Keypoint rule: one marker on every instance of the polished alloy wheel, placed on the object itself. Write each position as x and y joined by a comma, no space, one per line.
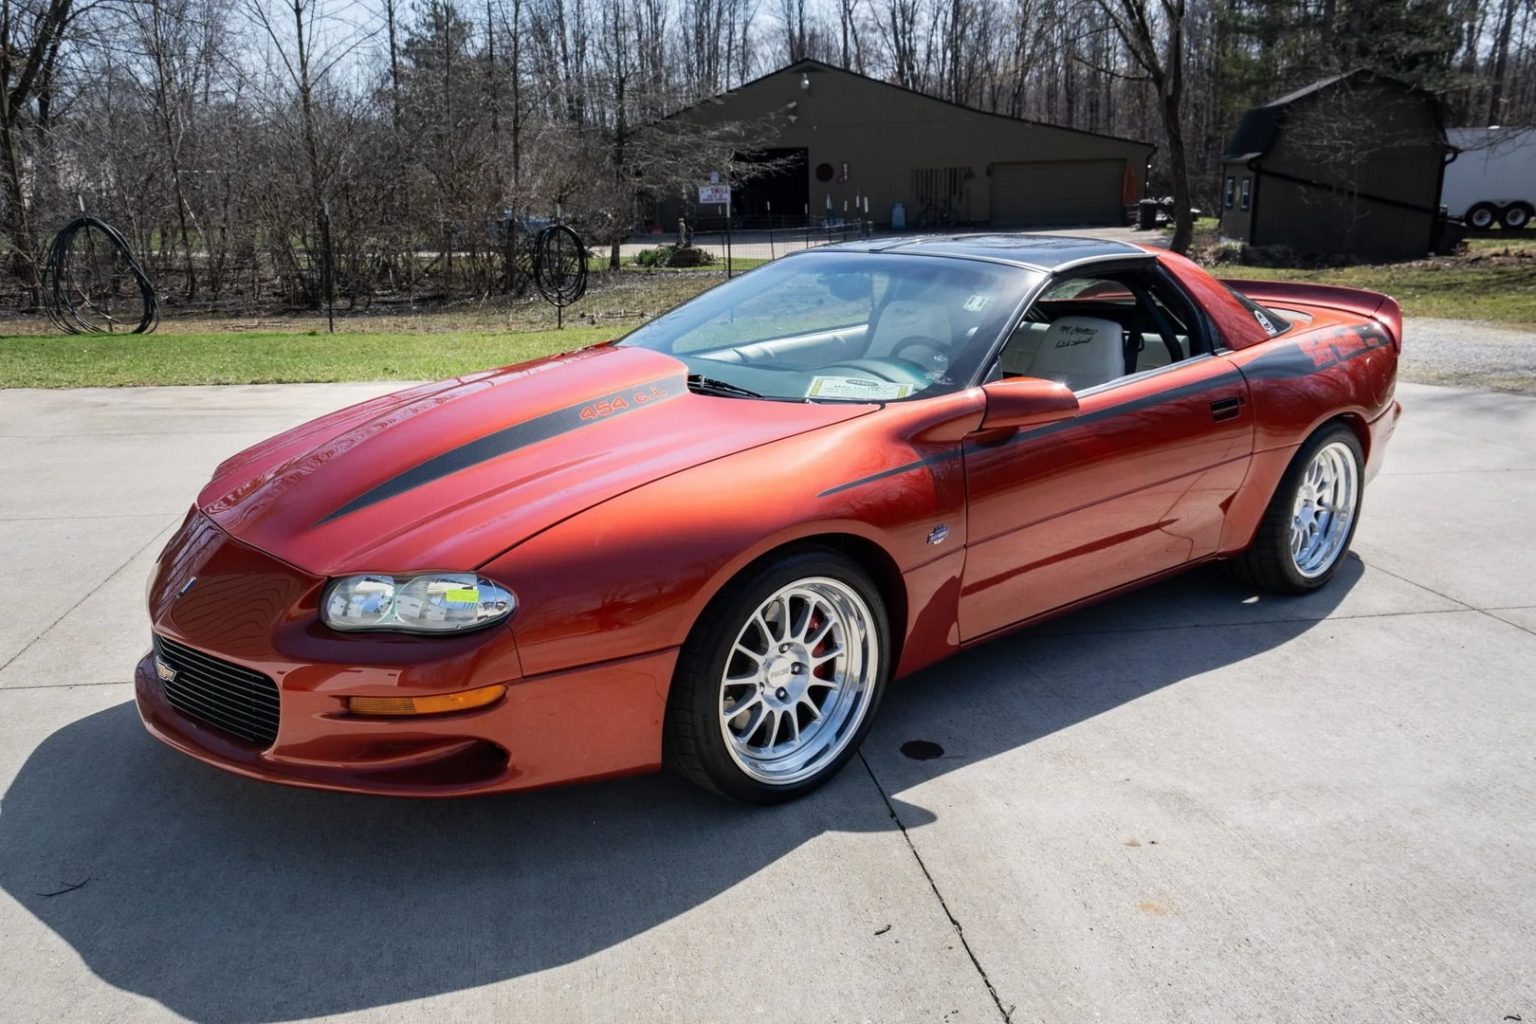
1324,510
798,680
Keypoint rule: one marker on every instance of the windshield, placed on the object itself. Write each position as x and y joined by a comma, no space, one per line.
842,326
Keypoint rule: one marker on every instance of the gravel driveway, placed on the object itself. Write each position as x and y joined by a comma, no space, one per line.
1469,354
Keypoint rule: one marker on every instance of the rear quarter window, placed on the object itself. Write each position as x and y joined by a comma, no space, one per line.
1272,322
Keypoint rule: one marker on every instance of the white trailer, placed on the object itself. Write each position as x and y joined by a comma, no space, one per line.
1493,179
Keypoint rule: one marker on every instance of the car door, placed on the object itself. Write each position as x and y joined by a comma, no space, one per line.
1135,484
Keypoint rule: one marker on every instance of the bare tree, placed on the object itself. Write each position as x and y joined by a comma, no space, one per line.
1153,34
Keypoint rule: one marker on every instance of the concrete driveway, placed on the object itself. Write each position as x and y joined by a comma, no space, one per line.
1191,804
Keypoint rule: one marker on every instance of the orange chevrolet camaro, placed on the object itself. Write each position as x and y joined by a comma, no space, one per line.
714,543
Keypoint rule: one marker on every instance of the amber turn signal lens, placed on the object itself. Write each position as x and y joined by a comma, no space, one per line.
436,704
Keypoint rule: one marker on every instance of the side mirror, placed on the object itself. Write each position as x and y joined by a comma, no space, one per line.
1026,402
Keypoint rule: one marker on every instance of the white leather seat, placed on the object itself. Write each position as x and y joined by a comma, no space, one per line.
1019,351
1154,353
1080,352
906,319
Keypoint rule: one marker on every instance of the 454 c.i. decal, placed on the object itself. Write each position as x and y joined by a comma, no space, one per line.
621,401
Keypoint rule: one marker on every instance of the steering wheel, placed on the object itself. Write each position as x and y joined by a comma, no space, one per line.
907,372
931,355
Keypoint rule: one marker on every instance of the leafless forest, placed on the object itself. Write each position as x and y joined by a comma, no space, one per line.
235,141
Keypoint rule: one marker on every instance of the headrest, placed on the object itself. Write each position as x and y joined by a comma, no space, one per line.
1081,352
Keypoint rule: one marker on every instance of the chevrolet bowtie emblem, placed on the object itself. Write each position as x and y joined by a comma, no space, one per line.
164,671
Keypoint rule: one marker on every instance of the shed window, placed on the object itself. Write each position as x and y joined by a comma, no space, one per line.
1247,192
1229,191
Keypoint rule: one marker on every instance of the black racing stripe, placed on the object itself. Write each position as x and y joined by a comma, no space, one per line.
1111,412
1289,363
929,460
1034,433
509,439
1293,361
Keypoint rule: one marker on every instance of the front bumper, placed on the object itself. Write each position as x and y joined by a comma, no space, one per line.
587,723
249,610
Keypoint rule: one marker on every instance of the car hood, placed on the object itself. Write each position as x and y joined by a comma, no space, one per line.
449,475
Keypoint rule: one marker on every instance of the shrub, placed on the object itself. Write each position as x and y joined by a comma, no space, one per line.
689,256
651,257
674,256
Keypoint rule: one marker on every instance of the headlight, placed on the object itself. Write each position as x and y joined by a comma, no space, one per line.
441,602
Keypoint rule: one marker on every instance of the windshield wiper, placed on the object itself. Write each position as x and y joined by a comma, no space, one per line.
703,385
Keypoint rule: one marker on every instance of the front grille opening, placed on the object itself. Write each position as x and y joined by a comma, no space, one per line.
232,698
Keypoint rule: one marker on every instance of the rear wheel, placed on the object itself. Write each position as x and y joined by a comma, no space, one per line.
1516,217
1482,216
779,681
1311,520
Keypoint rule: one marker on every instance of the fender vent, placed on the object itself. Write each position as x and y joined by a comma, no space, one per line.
238,700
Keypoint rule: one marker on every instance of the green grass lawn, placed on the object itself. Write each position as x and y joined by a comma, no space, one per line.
1460,291
1494,281
52,361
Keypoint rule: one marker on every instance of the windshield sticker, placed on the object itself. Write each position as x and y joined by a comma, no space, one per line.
863,388
977,303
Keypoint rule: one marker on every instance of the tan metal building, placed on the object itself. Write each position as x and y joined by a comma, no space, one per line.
1351,165
843,139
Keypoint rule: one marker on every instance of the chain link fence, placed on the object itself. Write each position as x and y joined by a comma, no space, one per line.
714,244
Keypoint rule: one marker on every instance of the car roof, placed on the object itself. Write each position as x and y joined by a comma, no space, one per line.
1048,253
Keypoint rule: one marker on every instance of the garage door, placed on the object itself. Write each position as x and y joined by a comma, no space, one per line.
1059,192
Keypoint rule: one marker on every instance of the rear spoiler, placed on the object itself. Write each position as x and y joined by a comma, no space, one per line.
1371,305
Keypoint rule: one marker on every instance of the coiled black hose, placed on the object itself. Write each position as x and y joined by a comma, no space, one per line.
90,273
559,265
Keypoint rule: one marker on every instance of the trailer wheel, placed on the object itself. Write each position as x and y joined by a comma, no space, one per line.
1482,216
1516,216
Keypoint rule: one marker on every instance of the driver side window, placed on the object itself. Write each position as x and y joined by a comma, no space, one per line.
1087,330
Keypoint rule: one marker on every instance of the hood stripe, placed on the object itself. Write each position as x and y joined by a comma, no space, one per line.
510,439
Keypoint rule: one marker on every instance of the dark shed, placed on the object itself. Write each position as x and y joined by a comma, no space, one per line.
1348,165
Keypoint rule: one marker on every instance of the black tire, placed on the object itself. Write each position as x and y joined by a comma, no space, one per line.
1517,216
1482,216
1267,563
692,743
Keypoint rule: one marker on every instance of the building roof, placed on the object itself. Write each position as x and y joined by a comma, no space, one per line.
1261,125
1042,252
811,64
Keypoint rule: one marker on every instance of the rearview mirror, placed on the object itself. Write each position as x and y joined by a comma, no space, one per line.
1026,402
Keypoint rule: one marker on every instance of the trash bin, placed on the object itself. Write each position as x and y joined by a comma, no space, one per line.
1146,215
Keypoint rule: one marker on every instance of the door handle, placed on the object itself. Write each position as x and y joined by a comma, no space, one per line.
1226,408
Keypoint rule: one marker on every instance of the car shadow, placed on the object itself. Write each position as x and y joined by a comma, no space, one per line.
227,900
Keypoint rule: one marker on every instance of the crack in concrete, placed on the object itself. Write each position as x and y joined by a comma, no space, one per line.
1454,600
110,577
1260,622
1005,1012
63,686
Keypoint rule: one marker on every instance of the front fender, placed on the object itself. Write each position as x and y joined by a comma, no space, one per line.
633,574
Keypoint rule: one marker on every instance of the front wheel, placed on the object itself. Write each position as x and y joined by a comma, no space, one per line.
1311,519
779,681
